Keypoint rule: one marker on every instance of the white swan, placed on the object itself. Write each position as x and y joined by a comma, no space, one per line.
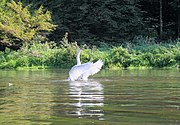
83,71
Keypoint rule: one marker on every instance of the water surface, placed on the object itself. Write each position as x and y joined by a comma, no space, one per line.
120,97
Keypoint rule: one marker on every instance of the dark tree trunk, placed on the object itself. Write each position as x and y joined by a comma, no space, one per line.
161,20
178,20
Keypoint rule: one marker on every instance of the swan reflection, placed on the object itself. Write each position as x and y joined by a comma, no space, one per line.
87,98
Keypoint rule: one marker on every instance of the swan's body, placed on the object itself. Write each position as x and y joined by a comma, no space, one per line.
83,71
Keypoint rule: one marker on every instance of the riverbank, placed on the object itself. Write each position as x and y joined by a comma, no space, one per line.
120,57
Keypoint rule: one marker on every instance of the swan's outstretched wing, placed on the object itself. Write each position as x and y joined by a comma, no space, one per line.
83,71
94,68
77,71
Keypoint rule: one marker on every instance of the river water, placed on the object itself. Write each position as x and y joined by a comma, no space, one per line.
111,97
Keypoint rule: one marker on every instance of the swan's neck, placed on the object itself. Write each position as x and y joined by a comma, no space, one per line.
78,57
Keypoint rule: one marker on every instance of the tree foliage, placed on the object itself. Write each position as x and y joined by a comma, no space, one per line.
92,21
170,14
112,20
18,24
89,21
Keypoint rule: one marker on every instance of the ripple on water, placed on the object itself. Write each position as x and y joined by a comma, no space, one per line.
111,97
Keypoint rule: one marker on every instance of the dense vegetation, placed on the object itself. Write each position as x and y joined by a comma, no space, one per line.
47,55
123,34
112,21
18,25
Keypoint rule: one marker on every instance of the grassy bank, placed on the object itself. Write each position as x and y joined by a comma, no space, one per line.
129,56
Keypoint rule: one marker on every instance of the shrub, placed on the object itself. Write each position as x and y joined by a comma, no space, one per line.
160,57
120,57
22,61
48,55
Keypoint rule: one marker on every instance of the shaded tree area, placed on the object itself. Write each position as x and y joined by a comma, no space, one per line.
169,29
95,21
109,21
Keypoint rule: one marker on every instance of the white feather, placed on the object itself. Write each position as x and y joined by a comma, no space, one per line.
83,71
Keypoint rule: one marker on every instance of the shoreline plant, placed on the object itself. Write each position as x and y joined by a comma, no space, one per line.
48,55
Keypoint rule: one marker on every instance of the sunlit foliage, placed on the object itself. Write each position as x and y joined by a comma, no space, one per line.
18,24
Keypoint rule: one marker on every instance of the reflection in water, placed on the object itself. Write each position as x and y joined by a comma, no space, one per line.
43,97
88,98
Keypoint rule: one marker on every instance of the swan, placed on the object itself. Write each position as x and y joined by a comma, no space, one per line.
83,71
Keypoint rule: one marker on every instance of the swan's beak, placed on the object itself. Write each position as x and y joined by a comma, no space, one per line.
85,46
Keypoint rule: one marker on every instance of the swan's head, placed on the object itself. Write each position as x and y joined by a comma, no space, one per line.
83,47
79,50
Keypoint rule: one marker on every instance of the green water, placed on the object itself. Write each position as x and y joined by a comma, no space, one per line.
124,97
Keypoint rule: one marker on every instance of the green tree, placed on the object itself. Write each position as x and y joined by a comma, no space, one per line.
103,20
18,24
95,20
161,17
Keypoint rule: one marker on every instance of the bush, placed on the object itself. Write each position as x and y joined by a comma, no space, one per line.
119,57
48,55
22,62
